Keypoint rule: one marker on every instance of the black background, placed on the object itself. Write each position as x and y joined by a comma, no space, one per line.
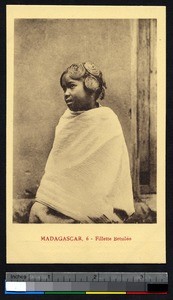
168,267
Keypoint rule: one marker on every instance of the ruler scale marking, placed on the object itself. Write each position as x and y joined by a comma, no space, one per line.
91,282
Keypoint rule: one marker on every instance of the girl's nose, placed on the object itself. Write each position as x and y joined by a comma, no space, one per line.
66,93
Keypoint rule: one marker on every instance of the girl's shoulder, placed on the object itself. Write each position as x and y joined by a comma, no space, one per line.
108,112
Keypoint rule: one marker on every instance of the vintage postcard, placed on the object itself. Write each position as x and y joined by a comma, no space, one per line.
86,114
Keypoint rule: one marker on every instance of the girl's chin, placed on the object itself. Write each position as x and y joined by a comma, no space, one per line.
70,106
73,108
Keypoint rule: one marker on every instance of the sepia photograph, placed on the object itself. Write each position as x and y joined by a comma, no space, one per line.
86,135
85,110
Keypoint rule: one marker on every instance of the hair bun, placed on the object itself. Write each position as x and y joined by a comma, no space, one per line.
92,69
91,83
76,71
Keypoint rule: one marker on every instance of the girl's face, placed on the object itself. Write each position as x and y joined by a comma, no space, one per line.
75,95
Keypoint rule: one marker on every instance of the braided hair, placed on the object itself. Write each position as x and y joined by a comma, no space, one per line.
92,76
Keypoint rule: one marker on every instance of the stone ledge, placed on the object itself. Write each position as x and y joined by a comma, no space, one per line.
21,210
145,210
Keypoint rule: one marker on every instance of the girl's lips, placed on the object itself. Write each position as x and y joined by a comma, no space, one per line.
69,102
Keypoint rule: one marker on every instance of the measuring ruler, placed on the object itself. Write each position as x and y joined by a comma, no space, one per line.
86,283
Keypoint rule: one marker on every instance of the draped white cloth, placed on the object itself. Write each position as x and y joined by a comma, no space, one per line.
87,172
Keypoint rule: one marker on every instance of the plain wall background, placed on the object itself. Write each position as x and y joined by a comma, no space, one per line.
43,50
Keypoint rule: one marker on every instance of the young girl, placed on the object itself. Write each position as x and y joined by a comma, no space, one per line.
87,175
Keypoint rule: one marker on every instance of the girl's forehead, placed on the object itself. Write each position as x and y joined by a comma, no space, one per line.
67,79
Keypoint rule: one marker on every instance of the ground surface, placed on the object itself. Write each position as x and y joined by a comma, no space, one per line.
145,210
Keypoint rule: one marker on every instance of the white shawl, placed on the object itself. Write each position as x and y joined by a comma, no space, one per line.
87,173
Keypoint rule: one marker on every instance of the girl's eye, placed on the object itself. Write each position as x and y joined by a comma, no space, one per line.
72,86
